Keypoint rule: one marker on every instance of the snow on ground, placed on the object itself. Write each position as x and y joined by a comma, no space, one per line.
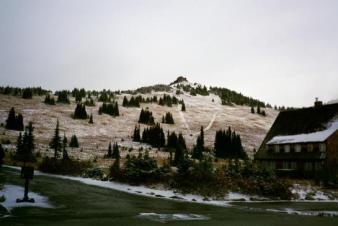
13,192
156,192
304,212
307,192
164,218
319,136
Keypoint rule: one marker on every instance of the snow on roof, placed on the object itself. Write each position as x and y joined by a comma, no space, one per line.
318,136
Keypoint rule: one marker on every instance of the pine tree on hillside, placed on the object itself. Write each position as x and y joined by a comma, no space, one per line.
258,109
263,113
26,148
56,141
183,106
172,140
154,136
228,145
19,122
14,122
168,118
109,152
116,151
11,120
116,109
64,147
74,142
199,147
49,100
136,134
27,93
2,154
80,112
19,146
146,117
91,119
125,102
63,97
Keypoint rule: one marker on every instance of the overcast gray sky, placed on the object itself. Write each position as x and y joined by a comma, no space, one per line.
283,52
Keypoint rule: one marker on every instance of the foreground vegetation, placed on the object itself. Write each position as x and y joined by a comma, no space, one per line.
109,207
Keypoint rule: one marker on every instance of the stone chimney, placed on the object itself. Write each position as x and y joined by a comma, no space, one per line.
318,103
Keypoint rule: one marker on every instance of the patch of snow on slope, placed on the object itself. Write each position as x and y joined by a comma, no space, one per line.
163,218
12,192
319,136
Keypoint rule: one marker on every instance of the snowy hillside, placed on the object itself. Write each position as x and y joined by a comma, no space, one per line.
206,111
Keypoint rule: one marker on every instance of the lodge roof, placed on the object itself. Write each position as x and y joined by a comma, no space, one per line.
305,125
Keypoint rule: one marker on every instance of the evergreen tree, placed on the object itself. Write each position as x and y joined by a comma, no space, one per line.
91,119
136,135
258,109
27,93
64,147
19,145
2,154
56,141
63,97
26,148
154,136
116,109
125,102
74,142
168,118
263,113
11,120
80,112
116,151
115,168
146,117
183,106
14,122
228,145
252,110
19,122
172,141
110,109
49,100
199,147
109,154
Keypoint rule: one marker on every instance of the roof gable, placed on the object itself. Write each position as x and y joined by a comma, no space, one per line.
306,124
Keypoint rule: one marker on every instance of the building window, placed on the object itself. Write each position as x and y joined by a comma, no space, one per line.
318,166
276,148
316,147
322,147
287,148
298,148
270,148
308,166
310,148
304,147
293,165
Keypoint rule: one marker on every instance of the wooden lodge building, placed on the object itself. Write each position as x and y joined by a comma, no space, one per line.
302,142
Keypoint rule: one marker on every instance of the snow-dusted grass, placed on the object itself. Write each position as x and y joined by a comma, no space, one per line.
205,111
13,192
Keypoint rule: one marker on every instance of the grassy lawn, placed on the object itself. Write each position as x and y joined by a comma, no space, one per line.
80,204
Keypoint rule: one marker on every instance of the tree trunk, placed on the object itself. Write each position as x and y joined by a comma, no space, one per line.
26,190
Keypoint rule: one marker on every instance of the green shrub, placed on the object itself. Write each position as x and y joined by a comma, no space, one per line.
141,169
63,166
96,173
